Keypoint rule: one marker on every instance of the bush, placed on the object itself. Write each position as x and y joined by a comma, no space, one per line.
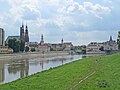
102,83
33,50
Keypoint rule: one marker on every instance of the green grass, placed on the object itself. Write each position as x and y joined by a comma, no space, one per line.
66,77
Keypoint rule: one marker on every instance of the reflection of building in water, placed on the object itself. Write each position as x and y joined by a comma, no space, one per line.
24,69
2,72
19,66
41,64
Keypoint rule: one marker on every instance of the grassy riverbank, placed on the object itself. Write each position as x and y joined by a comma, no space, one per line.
95,73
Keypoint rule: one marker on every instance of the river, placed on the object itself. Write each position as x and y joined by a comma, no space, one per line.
14,69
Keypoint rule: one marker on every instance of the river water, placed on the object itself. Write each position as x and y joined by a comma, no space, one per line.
14,69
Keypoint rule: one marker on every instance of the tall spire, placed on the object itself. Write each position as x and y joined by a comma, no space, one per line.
42,40
110,38
26,34
62,41
22,32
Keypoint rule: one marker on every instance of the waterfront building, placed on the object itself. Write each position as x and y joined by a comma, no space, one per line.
95,48
63,46
47,47
111,45
68,46
5,50
33,45
101,48
2,36
57,47
43,47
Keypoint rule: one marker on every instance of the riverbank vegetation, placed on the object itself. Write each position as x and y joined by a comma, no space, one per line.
94,73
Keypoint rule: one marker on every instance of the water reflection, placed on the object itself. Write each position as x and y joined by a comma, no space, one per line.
19,66
14,69
2,74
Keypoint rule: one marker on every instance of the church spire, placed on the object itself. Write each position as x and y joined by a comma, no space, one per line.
110,38
26,27
62,41
26,34
42,40
22,32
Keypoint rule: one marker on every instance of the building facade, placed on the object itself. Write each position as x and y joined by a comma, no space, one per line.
5,50
33,45
2,37
101,48
110,45
95,48
46,47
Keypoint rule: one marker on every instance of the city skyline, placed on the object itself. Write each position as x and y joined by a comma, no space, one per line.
77,21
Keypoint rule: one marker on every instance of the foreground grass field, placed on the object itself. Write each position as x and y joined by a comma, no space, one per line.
95,73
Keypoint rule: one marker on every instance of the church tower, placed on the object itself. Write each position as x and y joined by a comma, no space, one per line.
62,41
110,38
42,40
26,34
22,33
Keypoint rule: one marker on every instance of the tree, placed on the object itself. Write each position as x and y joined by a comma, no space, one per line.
26,49
32,49
14,44
118,40
22,46
101,48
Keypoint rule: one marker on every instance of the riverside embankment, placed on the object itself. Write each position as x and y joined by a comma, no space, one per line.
94,73
29,55
13,69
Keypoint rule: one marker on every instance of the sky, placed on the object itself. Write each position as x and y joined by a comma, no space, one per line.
76,21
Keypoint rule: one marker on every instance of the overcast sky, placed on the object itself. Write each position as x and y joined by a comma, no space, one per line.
78,21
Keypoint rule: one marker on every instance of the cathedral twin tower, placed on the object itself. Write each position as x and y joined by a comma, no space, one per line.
24,33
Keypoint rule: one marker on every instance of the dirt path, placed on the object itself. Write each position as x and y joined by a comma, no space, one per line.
94,69
83,80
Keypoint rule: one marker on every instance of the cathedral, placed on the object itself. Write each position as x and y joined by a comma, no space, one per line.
24,34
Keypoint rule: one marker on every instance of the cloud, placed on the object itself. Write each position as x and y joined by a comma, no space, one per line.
56,19
1,18
30,14
86,8
95,36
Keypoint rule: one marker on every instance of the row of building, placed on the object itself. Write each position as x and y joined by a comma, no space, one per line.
91,48
47,47
39,47
102,47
